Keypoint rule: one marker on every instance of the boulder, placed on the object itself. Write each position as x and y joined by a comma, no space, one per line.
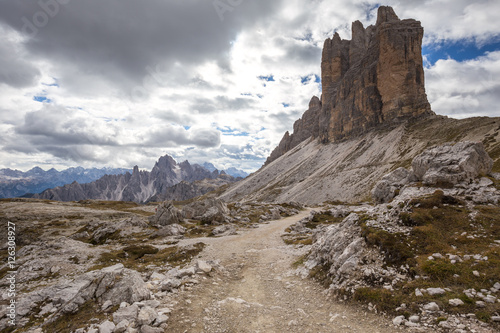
386,189
106,327
122,326
170,230
432,307
147,316
203,266
208,211
455,302
166,214
452,164
128,314
115,284
224,230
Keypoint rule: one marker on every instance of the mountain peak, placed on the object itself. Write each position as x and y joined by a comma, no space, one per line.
376,78
386,14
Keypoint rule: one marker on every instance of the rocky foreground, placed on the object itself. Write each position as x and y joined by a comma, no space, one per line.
424,256
428,254
94,266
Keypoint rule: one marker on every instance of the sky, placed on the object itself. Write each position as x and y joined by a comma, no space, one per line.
120,83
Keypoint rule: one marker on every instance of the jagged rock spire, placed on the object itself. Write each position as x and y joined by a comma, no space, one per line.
376,78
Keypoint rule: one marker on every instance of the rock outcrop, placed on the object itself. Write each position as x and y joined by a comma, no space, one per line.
377,78
446,165
166,214
450,164
209,211
115,284
188,190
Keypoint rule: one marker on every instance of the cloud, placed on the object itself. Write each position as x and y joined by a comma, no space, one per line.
175,136
117,40
464,89
15,70
453,20
55,125
139,79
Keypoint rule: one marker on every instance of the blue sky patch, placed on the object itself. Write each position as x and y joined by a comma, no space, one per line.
41,99
459,51
187,128
232,132
307,79
267,78
286,105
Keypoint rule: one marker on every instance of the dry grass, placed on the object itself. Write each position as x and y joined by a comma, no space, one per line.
137,257
438,226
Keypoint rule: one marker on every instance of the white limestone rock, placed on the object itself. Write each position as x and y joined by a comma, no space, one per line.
452,164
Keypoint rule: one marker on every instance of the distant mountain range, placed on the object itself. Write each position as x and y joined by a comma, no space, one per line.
231,171
139,186
15,183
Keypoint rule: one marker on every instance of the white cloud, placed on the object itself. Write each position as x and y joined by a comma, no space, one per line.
464,89
128,94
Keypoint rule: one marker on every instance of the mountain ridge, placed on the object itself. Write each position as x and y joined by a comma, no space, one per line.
15,183
138,186
313,172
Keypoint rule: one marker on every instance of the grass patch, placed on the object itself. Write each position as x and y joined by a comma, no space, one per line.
439,224
73,321
323,218
384,299
395,247
137,257
124,206
297,239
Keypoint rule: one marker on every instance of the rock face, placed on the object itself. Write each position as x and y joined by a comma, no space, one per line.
446,165
115,284
166,214
302,129
138,186
187,190
210,211
451,164
385,189
374,79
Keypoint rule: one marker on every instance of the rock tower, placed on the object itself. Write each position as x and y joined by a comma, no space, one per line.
375,78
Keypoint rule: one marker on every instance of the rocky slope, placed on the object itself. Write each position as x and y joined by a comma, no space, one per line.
138,186
377,78
187,190
431,251
15,183
346,171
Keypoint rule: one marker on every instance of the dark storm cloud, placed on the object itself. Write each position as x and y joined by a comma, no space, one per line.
119,39
14,70
53,125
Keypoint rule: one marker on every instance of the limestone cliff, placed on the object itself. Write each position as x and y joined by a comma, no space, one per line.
374,79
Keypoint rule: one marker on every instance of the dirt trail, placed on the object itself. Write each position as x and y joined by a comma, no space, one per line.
256,292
